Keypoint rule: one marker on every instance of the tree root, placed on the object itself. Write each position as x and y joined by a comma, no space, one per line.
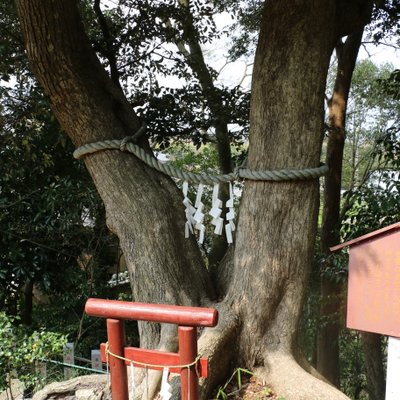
218,344
288,379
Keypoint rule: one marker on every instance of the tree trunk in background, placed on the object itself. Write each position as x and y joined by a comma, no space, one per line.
194,57
27,303
331,309
376,381
276,231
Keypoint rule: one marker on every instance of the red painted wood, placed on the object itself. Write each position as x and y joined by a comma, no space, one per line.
162,313
187,337
119,379
156,357
189,317
373,302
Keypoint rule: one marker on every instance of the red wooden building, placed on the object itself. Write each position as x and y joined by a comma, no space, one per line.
373,303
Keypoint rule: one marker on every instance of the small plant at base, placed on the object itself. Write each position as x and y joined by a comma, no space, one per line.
221,394
266,392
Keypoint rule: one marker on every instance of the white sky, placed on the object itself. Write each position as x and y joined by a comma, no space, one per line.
381,54
240,71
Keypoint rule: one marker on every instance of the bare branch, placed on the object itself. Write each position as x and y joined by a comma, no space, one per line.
393,46
366,49
224,66
109,54
245,74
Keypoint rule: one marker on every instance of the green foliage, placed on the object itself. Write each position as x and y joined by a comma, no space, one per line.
222,391
40,228
391,85
142,46
19,351
183,113
385,20
352,365
52,223
334,267
370,114
376,204
244,32
373,208
13,61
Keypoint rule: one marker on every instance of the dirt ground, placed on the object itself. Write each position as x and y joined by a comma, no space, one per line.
251,389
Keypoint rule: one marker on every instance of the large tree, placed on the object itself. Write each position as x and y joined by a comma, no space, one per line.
266,271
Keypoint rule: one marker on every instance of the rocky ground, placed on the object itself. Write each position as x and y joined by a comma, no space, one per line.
17,391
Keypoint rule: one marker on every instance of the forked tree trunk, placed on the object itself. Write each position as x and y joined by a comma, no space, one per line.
275,237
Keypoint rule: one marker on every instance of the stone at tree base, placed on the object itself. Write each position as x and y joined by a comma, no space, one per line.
17,390
88,387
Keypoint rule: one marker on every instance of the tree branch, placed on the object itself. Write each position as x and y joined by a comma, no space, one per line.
192,52
351,15
392,46
109,53
14,203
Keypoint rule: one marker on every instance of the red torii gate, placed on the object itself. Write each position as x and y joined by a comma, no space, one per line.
187,319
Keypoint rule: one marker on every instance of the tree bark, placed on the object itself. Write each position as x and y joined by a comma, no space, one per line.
278,220
275,238
277,225
143,207
331,309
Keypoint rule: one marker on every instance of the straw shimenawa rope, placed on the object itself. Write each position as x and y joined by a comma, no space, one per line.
148,365
207,179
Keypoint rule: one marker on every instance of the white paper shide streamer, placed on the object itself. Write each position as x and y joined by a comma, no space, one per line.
166,389
132,376
195,214
230,216
199,215
189,210
216,211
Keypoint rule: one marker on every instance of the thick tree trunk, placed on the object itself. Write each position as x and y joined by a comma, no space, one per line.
275,237
331,309
276,230
143,207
